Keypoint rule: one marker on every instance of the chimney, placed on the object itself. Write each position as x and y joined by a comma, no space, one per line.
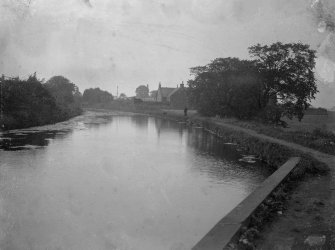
182,84
159,85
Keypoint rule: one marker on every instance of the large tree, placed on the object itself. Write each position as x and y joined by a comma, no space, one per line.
26,103
97,96
61,89
288,78
142,91
225,87
66,94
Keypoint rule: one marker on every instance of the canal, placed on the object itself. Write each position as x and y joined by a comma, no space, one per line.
103,181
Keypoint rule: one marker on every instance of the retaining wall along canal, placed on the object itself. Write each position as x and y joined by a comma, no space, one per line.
230,226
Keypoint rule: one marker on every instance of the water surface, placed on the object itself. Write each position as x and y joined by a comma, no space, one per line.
101,181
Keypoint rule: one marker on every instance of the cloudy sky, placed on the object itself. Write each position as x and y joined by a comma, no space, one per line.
105,43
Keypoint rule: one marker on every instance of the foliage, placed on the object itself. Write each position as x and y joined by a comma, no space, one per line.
279,82
27,103
66,94
123,96
97,96
288,78
319,139
142,91
225,87
61,89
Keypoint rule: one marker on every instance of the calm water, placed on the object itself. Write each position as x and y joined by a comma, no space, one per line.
117,182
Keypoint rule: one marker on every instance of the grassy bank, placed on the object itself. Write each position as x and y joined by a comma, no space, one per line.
310,132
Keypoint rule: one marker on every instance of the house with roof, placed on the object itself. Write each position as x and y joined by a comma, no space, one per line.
163,93
178,97
175,97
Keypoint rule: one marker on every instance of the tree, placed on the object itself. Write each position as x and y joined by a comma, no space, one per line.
225,87
26,103
288,79
66,94
97,96
142,91
61,89
123,96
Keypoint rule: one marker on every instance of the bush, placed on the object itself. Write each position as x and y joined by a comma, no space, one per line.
322,133
97,96
226,87
27,103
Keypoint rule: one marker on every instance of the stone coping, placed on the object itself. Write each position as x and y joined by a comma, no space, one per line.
229,226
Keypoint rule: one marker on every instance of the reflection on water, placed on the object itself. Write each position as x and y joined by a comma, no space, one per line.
13,141
225,160
117,182
140,121
40,136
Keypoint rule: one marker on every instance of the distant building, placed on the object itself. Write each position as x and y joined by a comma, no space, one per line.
178,98
175,97
163,93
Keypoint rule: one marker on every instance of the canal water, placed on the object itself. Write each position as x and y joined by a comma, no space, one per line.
103,181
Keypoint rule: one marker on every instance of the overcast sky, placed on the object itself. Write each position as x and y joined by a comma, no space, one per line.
105,43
